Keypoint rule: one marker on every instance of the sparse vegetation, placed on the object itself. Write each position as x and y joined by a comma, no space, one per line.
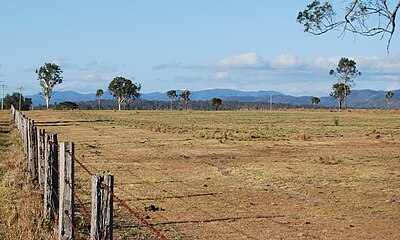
242,166
21,205
336,120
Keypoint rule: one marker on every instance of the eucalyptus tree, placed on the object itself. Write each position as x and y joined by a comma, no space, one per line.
49,75
389,98
315,101
366,18
185,95
123,90
99,93
345,72
216,102
338,92
172,95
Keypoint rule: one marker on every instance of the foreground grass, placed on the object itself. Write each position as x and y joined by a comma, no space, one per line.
20,202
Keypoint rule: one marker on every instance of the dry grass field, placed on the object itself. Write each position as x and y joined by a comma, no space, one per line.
243,174
20,201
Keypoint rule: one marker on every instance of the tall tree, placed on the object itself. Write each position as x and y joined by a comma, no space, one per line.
49,75
172,95
15,99
366,18
345,72
216,102
185,95
389,98
99,93
338,92
315,101
123,90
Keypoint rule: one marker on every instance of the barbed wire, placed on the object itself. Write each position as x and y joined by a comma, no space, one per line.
136,214
86,213
121,201
74,230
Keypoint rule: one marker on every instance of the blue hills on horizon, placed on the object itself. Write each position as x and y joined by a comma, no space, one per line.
357,99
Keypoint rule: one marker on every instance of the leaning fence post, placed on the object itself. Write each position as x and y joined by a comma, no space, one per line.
66,218
102,207
51,198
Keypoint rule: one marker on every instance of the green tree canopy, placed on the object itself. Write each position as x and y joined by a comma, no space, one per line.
99,93
14,99
216,102
49,75
345,72
171,94
185,95
123,90
367,18
338,92
67,105
389,97
315,101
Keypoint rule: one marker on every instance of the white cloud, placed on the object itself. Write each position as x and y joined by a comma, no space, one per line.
93,66
222,75
394,86
242,61
324,63
247,60
287,61
172,64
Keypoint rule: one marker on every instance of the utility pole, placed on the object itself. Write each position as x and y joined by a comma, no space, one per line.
20,96
270,102
2,99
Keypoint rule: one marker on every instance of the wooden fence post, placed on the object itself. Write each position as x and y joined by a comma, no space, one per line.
32,151
102,207
40,155
51,174
66,219
25,135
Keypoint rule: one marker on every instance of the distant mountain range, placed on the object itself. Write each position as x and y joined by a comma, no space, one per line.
357,99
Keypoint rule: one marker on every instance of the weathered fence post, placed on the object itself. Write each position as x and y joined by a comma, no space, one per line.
102,207
51,200
66,219
32,151
40,155
25,135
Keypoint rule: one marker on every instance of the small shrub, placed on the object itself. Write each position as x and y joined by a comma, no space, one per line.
336,121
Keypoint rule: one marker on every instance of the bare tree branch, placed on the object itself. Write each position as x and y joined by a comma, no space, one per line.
366,18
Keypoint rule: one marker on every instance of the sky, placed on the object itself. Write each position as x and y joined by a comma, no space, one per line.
180,44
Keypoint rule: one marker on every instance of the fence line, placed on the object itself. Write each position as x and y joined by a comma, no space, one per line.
51,166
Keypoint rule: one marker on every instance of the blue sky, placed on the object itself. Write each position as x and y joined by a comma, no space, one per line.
180,44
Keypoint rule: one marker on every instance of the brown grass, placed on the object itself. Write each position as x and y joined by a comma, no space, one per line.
20,208
243,174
